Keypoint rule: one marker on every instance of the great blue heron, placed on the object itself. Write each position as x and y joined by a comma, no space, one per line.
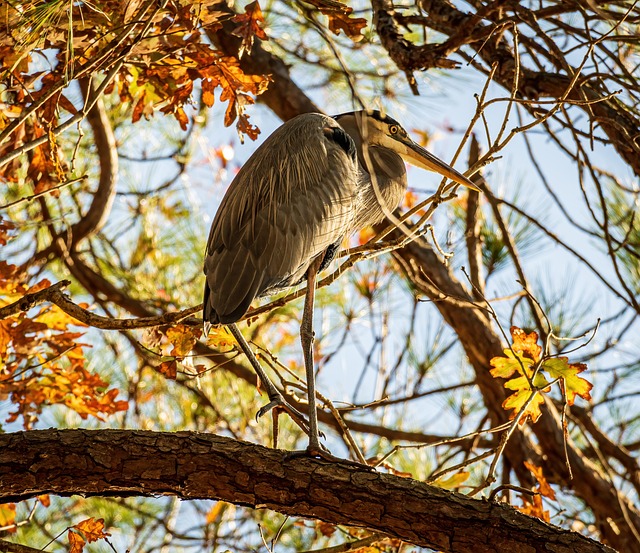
310,184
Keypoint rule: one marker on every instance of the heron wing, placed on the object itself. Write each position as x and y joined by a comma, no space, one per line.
293,199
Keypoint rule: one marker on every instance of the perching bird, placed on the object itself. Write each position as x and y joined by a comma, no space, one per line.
313,182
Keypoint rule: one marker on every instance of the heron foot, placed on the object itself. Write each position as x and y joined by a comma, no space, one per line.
279,403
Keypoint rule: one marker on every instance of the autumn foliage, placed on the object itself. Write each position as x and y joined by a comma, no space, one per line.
42,360
537,373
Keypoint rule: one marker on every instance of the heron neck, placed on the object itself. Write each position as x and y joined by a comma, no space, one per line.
383,184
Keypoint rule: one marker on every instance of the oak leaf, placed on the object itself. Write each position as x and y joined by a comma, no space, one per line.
183,338
220,337
169,369
543,485
574,385
340,19
92,529
76,541
524,360
249,26
87,531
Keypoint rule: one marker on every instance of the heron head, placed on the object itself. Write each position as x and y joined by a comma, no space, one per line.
383,131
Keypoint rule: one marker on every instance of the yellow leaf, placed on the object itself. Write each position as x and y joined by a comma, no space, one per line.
517,402
7,514
453,482
574,385
56,319
220,337
182,338
504,367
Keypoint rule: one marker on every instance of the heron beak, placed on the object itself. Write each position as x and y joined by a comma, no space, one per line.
419,157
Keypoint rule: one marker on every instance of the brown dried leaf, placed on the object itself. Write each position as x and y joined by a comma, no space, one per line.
249,26
169,369
340,19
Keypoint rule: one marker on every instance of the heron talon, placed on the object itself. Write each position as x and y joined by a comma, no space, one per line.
266,408
279,403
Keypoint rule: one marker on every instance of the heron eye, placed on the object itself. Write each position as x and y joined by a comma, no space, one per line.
393,129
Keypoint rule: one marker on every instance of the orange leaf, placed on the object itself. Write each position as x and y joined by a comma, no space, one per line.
208,97
544,487
534,508
8,515
76,541
249,26
45,500
169,369
216,512
527,344
366,234
182,118
138,110
92,529
5,337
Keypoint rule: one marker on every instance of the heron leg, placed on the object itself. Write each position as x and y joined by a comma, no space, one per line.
306,338
277,400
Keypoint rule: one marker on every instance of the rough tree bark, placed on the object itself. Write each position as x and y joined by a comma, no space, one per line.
204,466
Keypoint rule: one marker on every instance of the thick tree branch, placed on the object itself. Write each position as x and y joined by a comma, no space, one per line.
204,466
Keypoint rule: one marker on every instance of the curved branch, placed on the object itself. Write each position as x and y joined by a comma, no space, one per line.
192,465
105,142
